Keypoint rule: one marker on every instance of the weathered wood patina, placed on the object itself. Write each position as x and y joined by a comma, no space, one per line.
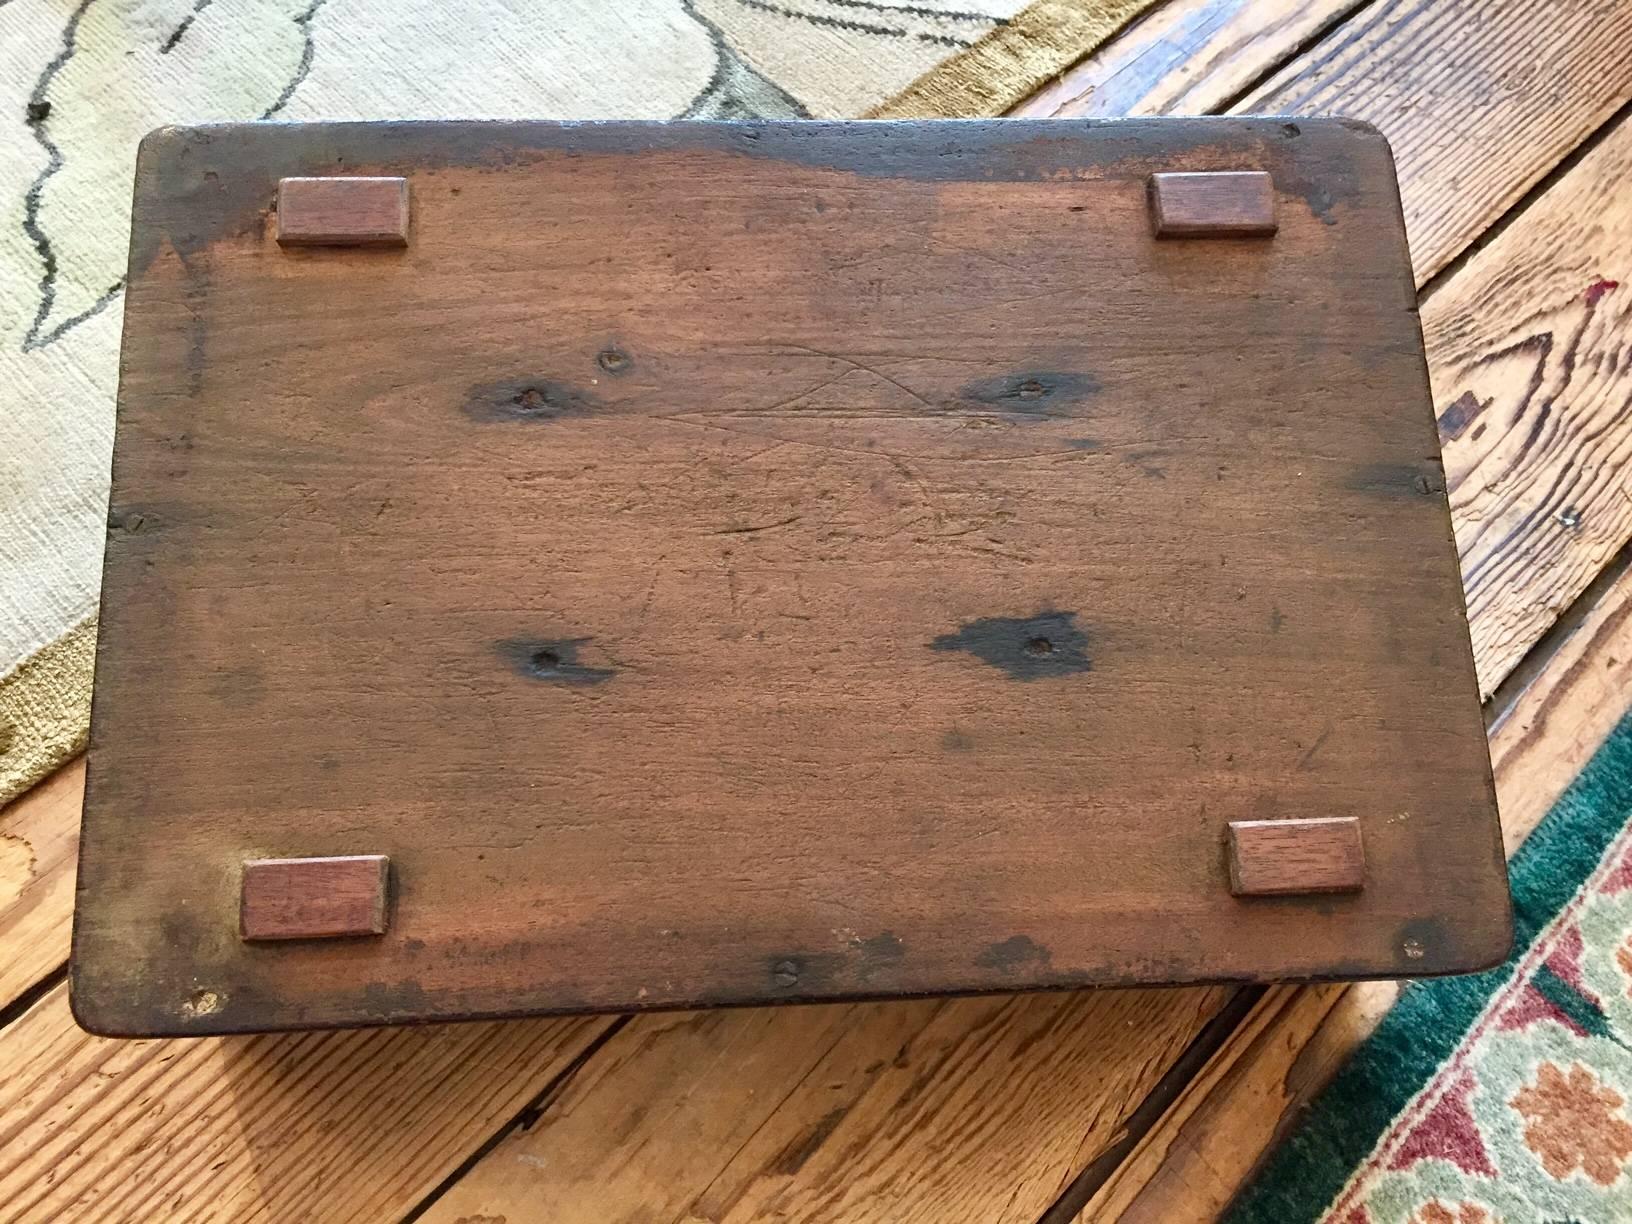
736,563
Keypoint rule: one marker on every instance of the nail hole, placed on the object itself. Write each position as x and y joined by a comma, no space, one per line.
1291,129
1413,949
1037,647
1030,389
545,660
785,973
612,361
532,399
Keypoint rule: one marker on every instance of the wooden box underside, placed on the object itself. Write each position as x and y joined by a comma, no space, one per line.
733,563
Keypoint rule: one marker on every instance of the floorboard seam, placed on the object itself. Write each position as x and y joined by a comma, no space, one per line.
523,1118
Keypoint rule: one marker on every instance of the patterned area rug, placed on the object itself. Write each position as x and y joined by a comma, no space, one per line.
82,80
1506,1096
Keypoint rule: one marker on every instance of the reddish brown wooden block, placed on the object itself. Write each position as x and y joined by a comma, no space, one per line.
1274,857
343,211
1233,203
313,898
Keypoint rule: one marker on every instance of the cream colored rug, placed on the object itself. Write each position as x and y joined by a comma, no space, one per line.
82,80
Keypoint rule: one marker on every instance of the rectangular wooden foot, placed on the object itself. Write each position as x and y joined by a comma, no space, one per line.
313,898
343,211
1277,857
1216,204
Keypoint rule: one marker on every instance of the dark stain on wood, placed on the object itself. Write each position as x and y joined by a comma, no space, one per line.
178,927
1334,183
1033,393
389,1001
528,399
1398,479
1428,946
177,177
956,741
241,687
792,1158
1027,648
197,296
554,660
1318,195
1145,461
1454,421
1085,444
879,952
1598,288
1014,952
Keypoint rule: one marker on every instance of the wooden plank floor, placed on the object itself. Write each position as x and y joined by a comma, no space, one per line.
1511,124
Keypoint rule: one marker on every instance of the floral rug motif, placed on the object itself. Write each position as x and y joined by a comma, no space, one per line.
1505,1096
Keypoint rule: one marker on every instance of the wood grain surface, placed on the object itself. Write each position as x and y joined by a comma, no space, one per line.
1186,57
39,841
1479,101
1193,1161
355,1126
190,1157
1488,323
606,594
935,1141
837,1113
1534,395
1204,56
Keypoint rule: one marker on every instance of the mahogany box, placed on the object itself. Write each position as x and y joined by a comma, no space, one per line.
588,566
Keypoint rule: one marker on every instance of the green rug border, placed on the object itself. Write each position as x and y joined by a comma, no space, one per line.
1425,1027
